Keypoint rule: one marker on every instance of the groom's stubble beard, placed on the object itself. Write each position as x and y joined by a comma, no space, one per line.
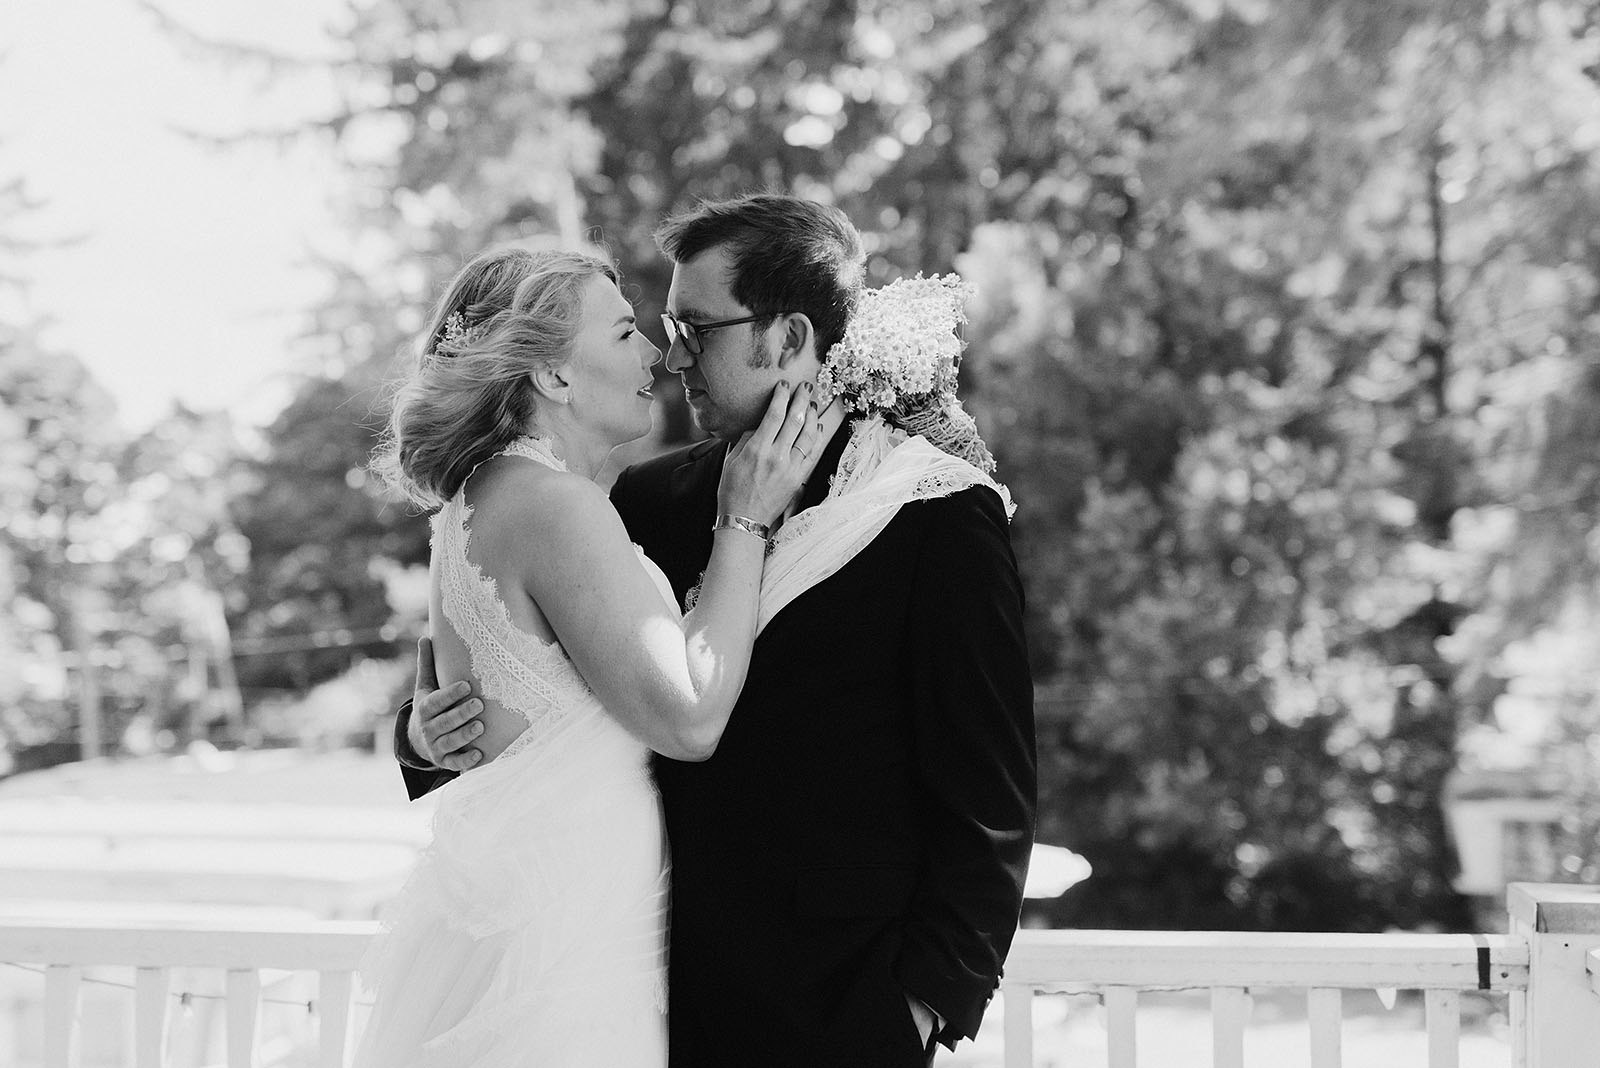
730,429
759,358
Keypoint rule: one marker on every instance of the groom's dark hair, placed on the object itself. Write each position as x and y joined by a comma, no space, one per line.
788,255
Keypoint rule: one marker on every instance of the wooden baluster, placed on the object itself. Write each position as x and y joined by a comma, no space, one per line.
334,990
1444,1028
150,987
244,999
1018,1025
1325,1013
60,1014
1228,1011
1517,1009
1121,1044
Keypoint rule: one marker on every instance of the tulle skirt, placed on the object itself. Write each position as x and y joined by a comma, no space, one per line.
533,930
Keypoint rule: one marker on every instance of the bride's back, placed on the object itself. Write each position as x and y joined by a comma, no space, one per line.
480,555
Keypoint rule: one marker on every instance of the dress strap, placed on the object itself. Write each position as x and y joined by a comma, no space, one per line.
528,447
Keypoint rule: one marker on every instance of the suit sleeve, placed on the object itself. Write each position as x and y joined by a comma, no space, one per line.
622,499
972,709
420,777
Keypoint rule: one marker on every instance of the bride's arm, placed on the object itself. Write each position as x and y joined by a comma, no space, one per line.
672,683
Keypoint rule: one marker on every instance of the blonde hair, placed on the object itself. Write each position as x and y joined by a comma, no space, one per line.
469,394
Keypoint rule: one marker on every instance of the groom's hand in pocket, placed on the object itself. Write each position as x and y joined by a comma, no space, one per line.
444,722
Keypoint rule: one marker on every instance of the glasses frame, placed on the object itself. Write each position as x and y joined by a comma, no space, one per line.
689,333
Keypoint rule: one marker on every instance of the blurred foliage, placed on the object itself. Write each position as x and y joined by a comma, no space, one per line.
319,541
1285,344
56,462
116,553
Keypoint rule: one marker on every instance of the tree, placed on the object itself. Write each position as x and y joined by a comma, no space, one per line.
55,476
318,533
1278,346
115,551
178,568
55,453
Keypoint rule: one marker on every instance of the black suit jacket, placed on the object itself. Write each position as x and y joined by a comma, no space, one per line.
863,828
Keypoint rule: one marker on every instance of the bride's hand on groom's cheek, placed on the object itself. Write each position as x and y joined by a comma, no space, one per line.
444,722
768,466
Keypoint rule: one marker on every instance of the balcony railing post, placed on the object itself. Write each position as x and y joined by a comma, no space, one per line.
1557,1023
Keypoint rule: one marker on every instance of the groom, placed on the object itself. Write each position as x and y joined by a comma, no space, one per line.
847,868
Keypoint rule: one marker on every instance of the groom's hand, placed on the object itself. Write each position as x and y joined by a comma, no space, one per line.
444,722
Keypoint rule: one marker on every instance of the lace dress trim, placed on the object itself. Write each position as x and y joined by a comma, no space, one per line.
521,671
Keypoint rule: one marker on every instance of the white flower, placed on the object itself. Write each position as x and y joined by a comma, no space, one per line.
900,346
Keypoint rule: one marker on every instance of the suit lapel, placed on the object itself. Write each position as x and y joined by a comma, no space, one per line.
816,487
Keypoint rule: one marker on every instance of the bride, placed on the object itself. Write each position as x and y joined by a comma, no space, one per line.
532,930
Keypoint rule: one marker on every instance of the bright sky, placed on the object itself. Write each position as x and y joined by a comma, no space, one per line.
191,276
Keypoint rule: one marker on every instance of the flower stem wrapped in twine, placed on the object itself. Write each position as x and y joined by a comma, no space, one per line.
948,427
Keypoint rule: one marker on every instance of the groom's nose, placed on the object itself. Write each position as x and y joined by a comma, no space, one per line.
679,359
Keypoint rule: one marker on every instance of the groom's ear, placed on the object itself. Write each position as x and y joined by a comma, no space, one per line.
551,383
798,341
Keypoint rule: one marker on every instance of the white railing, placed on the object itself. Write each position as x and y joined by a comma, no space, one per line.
1556,1025
1548,968
1118,965
329,950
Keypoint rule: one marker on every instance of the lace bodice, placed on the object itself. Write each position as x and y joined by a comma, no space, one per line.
525,674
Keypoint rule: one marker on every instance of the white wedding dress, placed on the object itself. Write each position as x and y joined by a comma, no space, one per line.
533,930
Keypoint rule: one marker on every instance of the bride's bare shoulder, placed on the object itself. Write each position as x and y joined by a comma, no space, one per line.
526,500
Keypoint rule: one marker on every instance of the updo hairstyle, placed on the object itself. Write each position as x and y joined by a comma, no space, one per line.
469,394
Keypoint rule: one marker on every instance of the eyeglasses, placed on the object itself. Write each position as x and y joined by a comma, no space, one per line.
690,333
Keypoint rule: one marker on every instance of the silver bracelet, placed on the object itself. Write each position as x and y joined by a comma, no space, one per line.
739,522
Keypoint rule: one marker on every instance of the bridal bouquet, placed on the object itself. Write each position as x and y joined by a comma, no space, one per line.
898,359
900,345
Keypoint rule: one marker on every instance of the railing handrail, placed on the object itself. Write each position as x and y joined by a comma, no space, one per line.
1061,960
1046,960
321,945
252,822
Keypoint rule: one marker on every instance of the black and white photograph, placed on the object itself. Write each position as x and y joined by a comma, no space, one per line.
783,534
